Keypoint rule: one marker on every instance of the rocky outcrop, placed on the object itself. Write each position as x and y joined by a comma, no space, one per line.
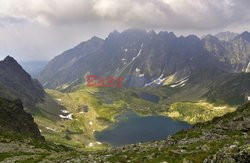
14,120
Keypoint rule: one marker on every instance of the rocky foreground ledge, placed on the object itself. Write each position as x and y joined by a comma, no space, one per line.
224,139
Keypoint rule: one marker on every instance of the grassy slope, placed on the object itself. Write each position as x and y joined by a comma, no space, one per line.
20,148
195,112
79,131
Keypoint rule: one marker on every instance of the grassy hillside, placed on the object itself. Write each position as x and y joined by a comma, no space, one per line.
195,112
82,113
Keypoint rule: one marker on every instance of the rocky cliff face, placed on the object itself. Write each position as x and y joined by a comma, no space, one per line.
226,36
14,120
15,83
235,52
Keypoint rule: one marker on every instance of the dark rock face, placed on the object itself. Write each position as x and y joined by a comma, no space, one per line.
15,83
13,119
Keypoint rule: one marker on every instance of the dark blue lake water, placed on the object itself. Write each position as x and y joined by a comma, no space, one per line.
132,128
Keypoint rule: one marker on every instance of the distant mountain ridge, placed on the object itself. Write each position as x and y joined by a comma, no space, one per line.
16,83
235,53
132,52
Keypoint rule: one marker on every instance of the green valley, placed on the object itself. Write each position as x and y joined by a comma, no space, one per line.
87,110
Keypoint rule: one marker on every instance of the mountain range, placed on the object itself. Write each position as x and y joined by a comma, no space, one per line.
149,54
202,66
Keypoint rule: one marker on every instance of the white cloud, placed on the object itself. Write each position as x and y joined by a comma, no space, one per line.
44,28
200,14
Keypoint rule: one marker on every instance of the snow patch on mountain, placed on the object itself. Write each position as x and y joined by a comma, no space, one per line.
51,129
65,111
139,53
248,67
141,75
158,81
67,116
180,83
124,68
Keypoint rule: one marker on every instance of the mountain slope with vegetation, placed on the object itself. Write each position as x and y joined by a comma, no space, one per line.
224,139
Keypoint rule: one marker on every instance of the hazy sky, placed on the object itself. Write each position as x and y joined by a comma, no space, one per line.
42,29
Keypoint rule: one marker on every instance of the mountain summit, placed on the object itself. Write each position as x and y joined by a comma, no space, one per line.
226,36
16,83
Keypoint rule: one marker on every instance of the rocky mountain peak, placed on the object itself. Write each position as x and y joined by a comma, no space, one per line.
94,38
113,34
9,59
245,35
10,65
11,62
226,36
213,44
193,37
211,38
16,83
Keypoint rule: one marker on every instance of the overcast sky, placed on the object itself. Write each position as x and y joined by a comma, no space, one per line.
42,29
